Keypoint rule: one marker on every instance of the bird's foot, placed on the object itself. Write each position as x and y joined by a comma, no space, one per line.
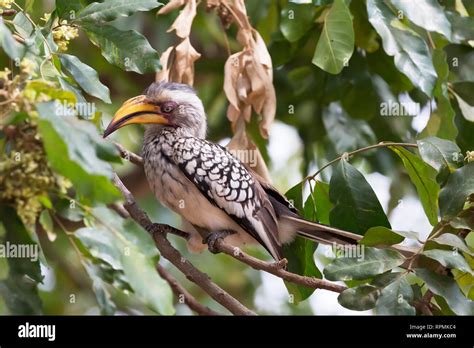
212,238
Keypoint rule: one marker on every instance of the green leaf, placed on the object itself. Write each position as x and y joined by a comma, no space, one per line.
360,87
75,90
108,10
410,51
68,209
423,177
465,280
134,253
447,288
22,25
382,64
86,77
371,263
68,9
467,110
441,122
128,50
380,235
427,14
19,290
4,268
107,307
344,132
356,207
395,299
322,202
101,244
449,258
73,147
146,283
295,196
408,234
21,295
365,35
454,241
296,20
384,279
12,48
464,221
464,90
440,154
336,43
462,27
360,298
47,223
459,186
300,253
36,88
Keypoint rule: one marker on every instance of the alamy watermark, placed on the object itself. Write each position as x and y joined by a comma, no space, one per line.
65,108
250,157
21,251
397,108
349,251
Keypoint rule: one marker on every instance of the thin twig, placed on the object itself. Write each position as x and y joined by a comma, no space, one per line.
276,268
348,154
181,292
119,209
177,259
128,155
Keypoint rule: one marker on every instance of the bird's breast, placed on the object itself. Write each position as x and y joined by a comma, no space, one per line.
174,190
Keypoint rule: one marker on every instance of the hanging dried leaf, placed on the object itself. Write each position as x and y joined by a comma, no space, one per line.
247,152
166,61
184,21
178,61
170,6
231,75
183,67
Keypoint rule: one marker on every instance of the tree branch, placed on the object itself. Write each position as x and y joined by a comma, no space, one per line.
363,149
180,291
174,256
277,269
128,155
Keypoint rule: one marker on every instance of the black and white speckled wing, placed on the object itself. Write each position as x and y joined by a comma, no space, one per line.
226,183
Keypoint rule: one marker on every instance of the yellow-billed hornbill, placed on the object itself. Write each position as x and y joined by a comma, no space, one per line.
205,184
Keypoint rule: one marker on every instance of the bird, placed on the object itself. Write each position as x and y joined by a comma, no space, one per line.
217,195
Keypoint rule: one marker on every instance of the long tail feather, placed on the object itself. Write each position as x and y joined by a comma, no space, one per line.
329,235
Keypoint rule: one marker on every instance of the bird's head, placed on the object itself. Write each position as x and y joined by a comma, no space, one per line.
163,104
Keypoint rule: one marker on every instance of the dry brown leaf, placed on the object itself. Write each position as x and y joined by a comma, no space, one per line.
231,74
233,115
166,61
238,8
213,3
243,86
248,153
261,51
248,79
183,67
184,21
170,6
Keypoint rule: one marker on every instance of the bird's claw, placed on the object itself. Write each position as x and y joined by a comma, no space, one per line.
212,240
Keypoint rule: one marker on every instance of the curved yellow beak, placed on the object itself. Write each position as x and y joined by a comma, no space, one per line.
135,110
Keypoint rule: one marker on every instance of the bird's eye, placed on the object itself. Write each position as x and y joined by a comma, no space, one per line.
168,107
